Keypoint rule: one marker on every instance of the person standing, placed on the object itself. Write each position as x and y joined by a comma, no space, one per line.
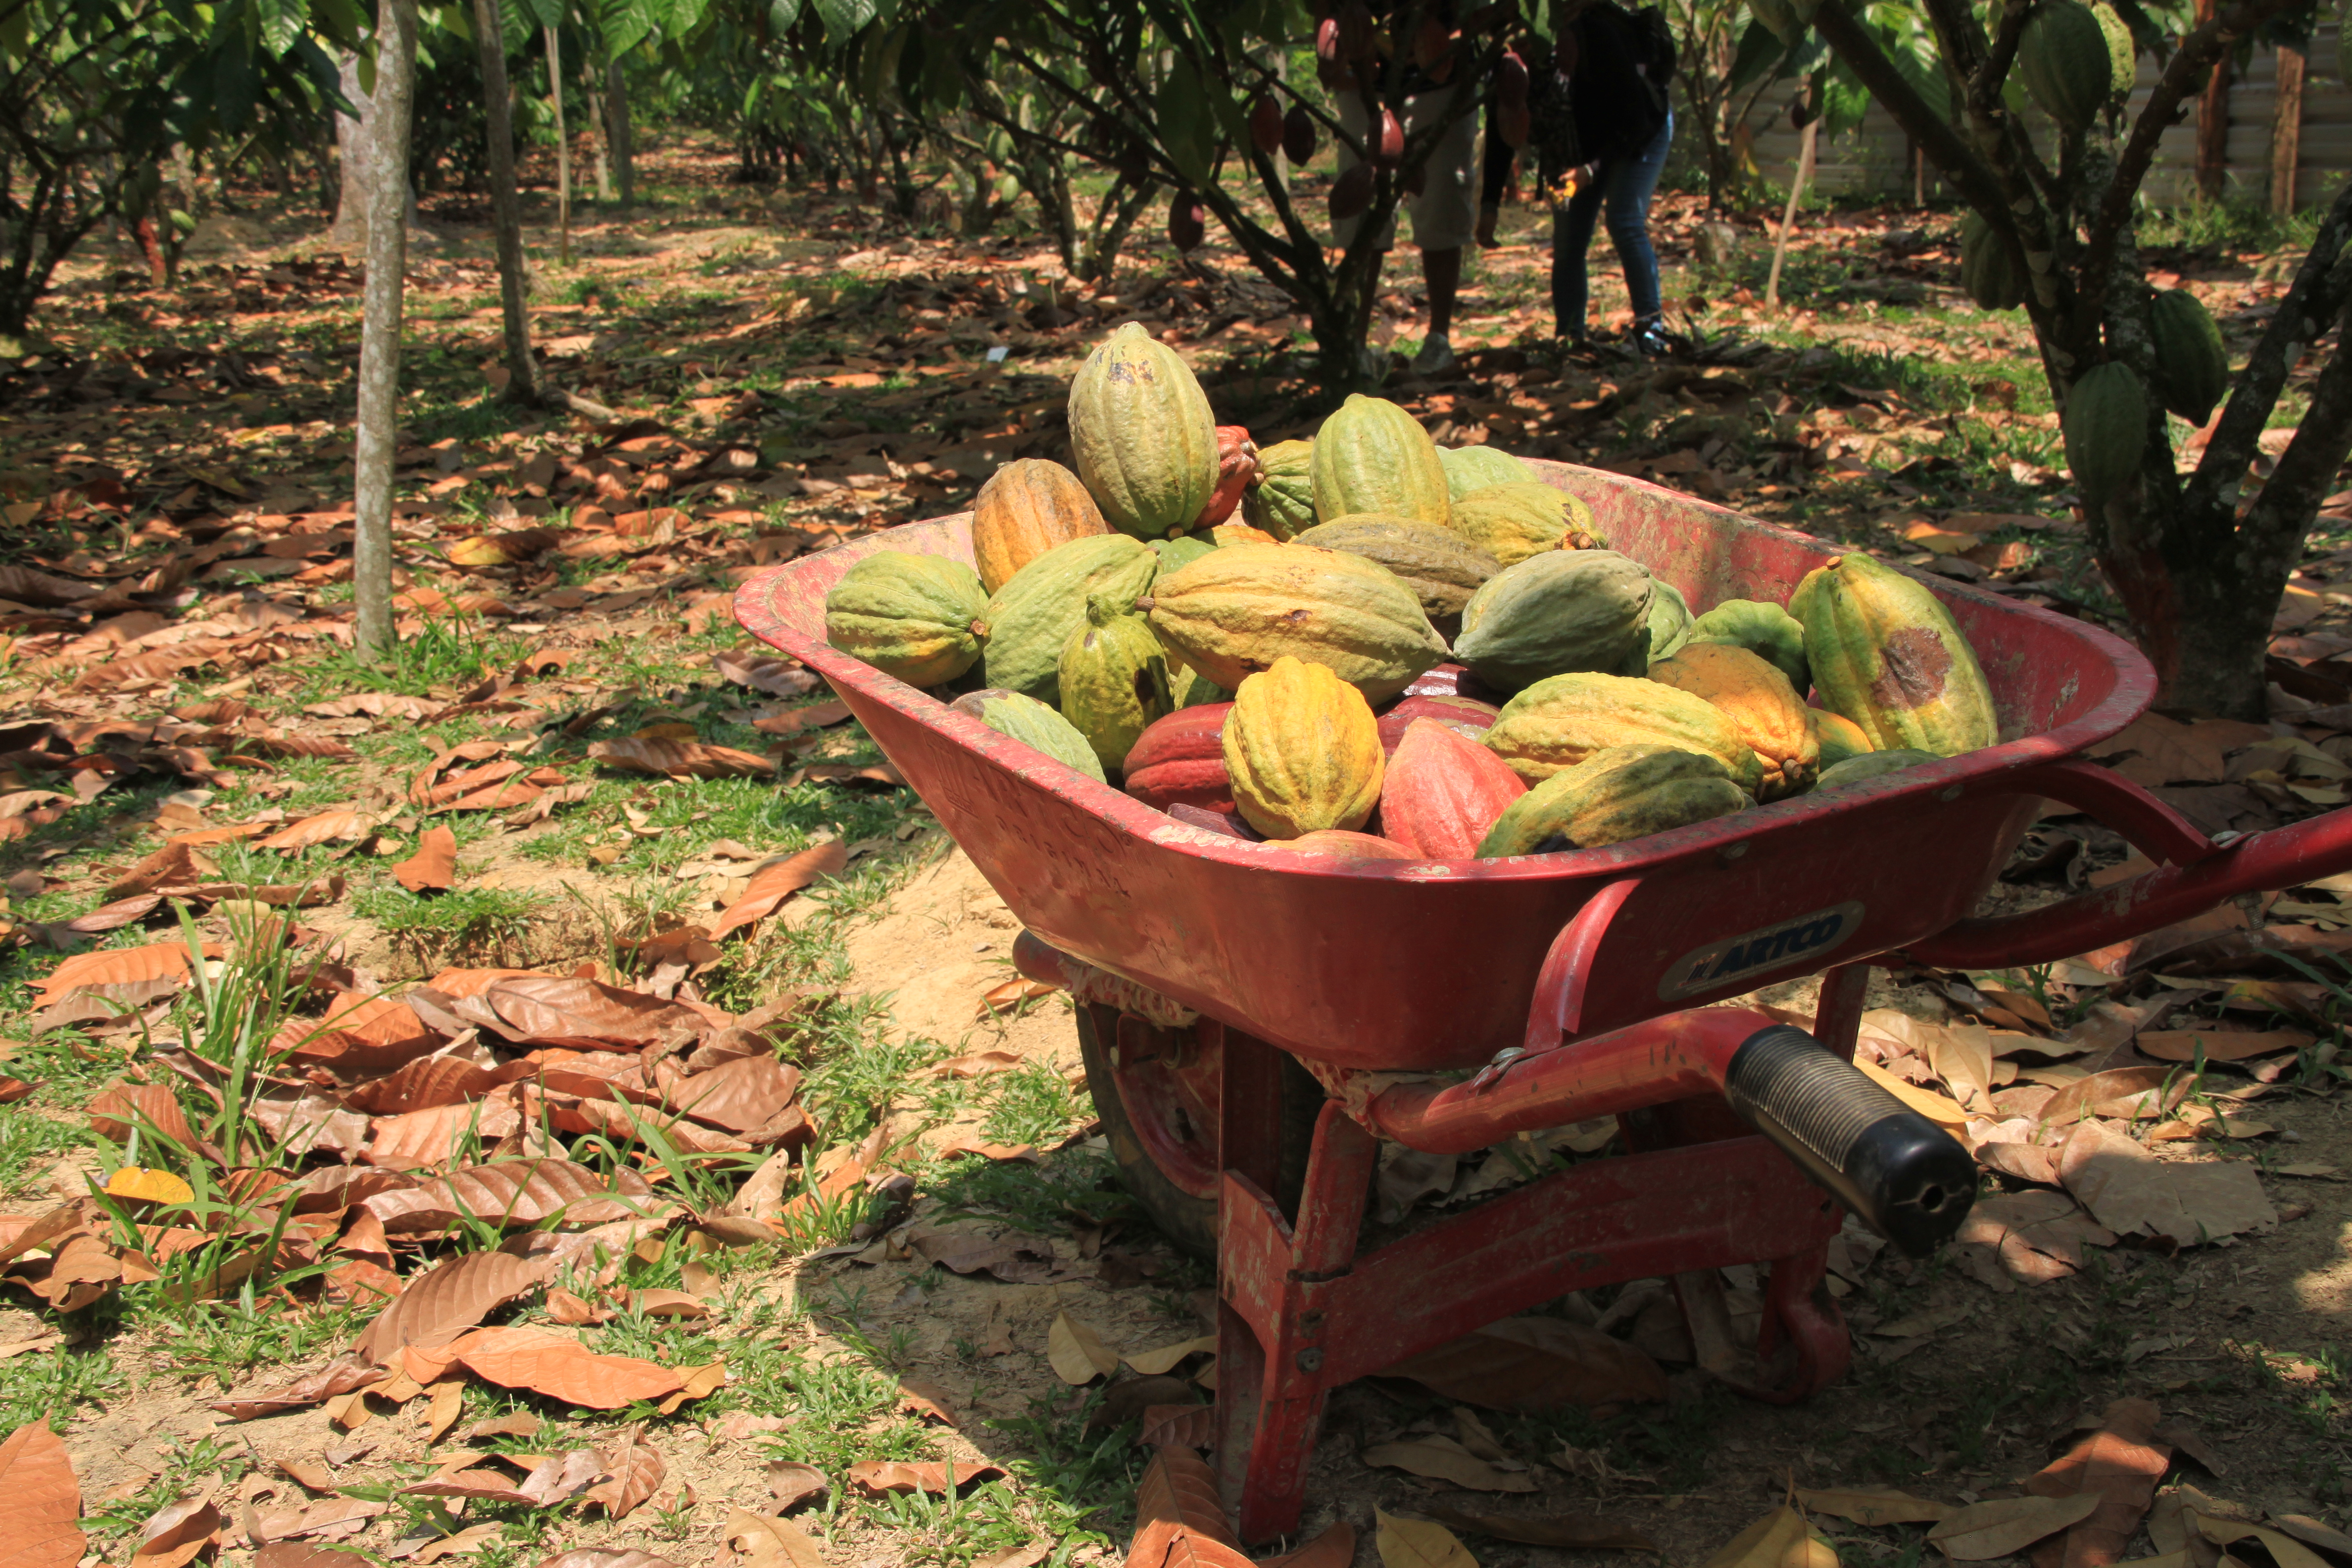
1446,211
1602,125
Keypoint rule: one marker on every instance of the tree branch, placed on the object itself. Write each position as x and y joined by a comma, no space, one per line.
2183,76
2320,293
1934,133
2282,514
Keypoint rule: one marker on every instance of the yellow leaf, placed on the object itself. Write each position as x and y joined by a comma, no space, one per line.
1934,1106
772,1543
2001,1526
155,1186
1077,1352
1779,1540
1418,1543
1151,1363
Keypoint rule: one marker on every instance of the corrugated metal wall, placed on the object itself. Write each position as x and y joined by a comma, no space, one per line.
1873,159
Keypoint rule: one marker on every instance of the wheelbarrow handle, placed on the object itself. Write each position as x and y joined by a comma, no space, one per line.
1908,1178
2200,874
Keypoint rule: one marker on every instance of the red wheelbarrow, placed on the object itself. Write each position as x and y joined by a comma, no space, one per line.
1254,1021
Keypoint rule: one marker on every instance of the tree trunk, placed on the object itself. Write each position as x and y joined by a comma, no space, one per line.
563,148
353,142
2286,131
2213,122
616,108
506,206
600,131
377,439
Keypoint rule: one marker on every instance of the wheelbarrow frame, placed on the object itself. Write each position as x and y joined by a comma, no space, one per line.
1579,983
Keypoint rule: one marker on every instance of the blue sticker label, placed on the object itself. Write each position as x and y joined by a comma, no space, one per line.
1728,962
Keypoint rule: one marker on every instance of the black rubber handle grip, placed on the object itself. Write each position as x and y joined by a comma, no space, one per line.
1907,1177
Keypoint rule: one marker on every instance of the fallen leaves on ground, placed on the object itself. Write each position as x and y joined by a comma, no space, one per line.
43,1500
433,868
1535,1364
1404,1542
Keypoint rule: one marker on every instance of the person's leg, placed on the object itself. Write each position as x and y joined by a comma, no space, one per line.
1628,186
1444,216
1571,236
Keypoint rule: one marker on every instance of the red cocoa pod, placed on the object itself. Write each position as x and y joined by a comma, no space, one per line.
1444,681
1186,226
1236,471
1229,823
1358,42
1463,713
1339,844
1181,759
1265,125
1387,148
1443,791
1351,193
1430,42
1510,81
1298,134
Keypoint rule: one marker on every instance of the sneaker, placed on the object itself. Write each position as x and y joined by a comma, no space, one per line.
1651,340
1435,358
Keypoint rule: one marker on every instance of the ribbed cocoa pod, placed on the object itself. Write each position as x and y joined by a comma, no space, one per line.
1303,750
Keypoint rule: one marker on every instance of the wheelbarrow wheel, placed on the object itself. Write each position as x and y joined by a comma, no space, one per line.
1180,1194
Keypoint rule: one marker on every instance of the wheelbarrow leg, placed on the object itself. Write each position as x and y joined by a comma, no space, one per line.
1802,1345
1837,1017
1270,1394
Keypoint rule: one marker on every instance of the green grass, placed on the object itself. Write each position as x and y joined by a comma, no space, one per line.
51,1385
448,652
475,916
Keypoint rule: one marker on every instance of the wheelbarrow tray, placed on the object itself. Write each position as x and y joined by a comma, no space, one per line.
1415,967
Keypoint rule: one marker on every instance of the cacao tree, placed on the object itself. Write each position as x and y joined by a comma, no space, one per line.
2051,175
1183,94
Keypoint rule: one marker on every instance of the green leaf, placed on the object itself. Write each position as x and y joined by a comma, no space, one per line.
1187,127
1761,56
1843,100
782,14
844,19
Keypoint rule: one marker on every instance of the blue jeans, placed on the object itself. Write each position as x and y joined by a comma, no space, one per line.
1626,185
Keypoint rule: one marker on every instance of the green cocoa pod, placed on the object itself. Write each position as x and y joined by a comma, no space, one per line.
1442,569
1563,610
1239,608
2105,427
1471,468
1669,623
1768,631
923,619
1373,455
1177,553
1114,680
1616,795
1511,522
1282,502
1988,271
2192,363
1141,436
1557,724
1870,765
1035,725
1045,601
2065,64
2123,51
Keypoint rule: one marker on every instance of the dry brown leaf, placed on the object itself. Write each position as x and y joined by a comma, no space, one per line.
2286,1551
792,1483
148,1108
2219,1045
2119,1464
1334,1548
634,1468
1178,1488
770,1543
338,1378
680,759
114,966
1164,1543
339,824
772,884
977,1064
43,1500
594,1557
2000,1527
2187,1203
561,1368
1152,1362
455,1293
1417,1544
1779,1540
880,1477
741,1096
1533,1364
1572,1532
176,1532
511,1193
1442,1458
1178,1426
433,868
921,1399
1009,996
1076,1352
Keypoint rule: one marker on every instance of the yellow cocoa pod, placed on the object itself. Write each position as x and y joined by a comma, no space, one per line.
1557,723
1303,750
1025,508
1887,655
1511,522
1241,607
1761,704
